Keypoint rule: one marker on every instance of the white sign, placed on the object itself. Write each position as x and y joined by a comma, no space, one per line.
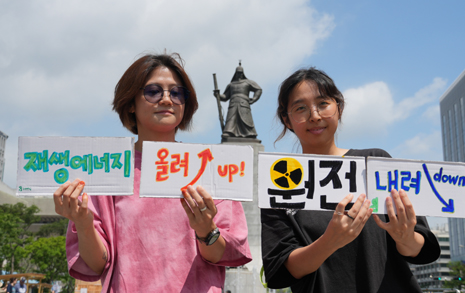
106,164
434,188
225,171
309,182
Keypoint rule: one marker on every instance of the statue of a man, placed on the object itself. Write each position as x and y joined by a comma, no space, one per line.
239,122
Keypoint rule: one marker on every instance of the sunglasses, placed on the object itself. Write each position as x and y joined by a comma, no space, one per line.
153,93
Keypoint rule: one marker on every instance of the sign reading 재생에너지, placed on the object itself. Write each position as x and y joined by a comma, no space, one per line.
225,171
106,164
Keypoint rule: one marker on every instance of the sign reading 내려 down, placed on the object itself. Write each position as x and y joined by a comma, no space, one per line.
434,188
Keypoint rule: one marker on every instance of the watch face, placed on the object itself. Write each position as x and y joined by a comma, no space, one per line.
213,238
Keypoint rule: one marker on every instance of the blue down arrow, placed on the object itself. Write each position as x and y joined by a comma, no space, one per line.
449,208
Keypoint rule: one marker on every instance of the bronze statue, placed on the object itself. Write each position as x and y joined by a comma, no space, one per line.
239,122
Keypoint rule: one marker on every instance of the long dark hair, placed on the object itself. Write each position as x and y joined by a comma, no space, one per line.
325,85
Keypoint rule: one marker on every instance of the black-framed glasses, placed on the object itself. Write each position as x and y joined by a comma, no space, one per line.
153,93
326,108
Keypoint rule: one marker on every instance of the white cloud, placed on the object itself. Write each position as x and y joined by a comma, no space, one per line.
421,147
60,61
371,108
64,57
432,114
428,94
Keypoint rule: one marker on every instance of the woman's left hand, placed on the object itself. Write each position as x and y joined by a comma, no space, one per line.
200,209
401,226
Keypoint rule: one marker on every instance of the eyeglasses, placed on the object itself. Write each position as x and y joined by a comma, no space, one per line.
326,108
153,93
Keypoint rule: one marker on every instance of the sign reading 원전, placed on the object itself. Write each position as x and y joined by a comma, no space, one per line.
308,182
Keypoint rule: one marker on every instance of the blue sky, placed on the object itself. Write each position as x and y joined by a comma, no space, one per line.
60,61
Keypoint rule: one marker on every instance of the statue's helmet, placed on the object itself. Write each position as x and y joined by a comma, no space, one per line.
239,74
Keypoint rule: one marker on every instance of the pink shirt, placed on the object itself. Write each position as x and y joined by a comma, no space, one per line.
151,246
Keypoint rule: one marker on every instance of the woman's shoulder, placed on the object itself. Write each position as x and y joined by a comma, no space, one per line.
368,153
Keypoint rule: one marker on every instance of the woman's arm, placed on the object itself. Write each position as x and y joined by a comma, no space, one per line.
341,230
200,209
401,226
67,204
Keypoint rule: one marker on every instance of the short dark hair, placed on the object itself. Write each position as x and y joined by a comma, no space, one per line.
135,78
324,83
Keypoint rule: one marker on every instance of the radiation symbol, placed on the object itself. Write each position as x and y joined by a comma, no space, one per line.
286,173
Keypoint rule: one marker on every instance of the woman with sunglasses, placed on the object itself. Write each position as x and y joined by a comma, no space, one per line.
145,244
348,249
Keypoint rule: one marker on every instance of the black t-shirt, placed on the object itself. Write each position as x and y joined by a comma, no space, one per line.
368,264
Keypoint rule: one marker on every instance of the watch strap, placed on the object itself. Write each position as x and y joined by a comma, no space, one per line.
206,240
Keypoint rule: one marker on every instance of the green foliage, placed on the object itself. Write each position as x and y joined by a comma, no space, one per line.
15,221
457,273
57,228
26,252
49,257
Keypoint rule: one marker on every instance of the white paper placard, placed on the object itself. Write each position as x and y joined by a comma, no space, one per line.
106,164
309,182
225,171
434,188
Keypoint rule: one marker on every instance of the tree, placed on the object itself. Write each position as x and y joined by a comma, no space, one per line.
48,255
57,228
15,221
457,274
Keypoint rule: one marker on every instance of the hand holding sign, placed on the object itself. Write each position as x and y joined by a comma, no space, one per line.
345,227
200,210
401,226
69,206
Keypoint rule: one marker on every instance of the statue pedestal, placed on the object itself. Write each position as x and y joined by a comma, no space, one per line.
252,212
240,140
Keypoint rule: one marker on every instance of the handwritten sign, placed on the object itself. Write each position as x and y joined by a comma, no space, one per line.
225,171
434,188
104,163
309,182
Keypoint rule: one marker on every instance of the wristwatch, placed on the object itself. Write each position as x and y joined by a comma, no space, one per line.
211,237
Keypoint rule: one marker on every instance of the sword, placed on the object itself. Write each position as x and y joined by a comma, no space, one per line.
220,109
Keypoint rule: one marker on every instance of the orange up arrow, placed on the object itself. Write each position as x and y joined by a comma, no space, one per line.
206,156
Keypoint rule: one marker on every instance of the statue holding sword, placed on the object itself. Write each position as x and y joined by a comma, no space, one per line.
239,122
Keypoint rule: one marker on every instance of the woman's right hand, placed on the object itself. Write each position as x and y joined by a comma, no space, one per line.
69,206
344,227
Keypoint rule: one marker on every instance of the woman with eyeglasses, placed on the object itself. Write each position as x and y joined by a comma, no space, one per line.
145,244
348,249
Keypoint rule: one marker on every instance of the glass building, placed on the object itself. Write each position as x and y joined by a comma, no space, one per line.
432,276
452,105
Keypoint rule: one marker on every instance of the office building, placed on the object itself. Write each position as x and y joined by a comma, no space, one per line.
431,276
3,138
452,104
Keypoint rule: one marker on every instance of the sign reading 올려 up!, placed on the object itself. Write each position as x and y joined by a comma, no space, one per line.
225,171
